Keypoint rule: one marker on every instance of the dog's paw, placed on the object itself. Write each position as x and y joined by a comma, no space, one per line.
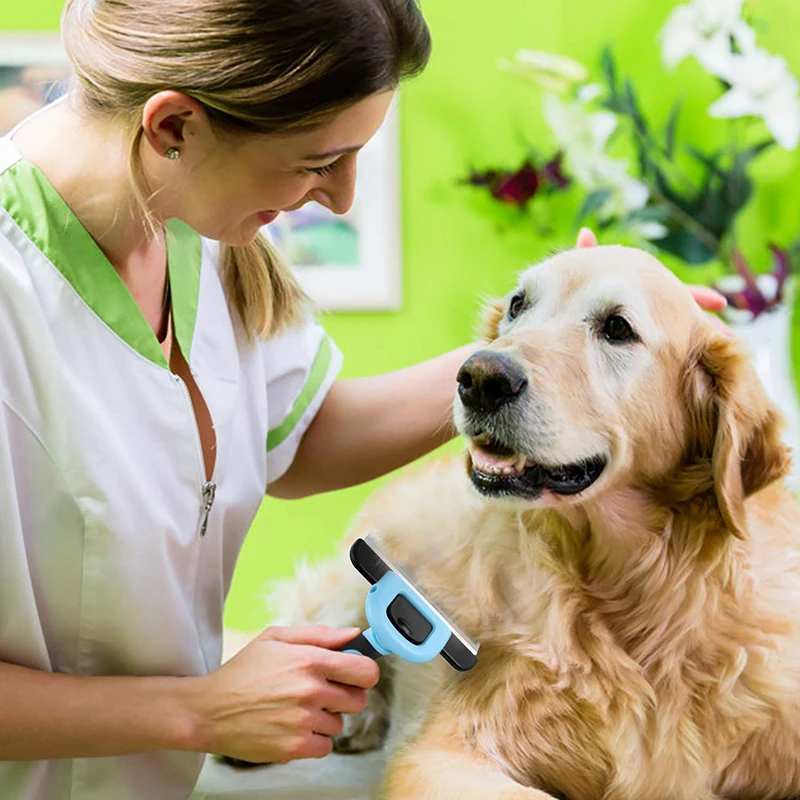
367,730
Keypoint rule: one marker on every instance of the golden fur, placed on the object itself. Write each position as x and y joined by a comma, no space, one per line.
639,640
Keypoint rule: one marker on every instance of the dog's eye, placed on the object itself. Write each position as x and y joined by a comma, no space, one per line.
617,329
516,305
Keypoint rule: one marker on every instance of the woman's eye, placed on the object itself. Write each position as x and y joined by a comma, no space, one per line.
516,305
617,329
323,170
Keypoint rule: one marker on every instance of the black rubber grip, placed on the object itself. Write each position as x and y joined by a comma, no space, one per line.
362,645
458,655
367,561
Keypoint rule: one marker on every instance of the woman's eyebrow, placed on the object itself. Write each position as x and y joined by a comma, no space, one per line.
324,156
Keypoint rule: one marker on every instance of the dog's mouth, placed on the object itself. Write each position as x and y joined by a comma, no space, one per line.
497,471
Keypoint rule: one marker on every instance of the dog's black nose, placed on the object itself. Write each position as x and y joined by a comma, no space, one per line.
488,380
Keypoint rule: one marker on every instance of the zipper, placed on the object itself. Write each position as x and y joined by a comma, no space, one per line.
208,489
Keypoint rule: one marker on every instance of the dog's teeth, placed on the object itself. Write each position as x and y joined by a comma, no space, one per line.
519,465
509,471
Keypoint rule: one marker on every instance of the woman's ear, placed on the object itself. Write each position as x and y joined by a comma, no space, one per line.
733,424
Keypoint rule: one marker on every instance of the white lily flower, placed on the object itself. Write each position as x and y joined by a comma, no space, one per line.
703,29
552,72
583,137
627,193
651,230
762,86
589,92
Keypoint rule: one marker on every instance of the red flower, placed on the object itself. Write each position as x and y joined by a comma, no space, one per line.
552,173
512,188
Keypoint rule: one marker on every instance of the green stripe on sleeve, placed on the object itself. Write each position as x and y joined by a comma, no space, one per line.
319,369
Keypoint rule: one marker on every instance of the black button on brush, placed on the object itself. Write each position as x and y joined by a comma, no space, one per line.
408,620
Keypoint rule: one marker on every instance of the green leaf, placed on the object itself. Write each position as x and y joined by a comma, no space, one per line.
609,69
614,103
686,245
686,204
710,162
672,122
745,156
714,211
634,109
738,190
593,202
648,214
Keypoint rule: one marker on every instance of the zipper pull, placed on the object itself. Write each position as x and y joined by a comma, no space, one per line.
209,490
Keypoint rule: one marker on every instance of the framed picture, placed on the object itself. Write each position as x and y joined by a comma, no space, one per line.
352,262
345,263
33,72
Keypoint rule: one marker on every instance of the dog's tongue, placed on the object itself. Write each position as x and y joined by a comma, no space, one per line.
489,461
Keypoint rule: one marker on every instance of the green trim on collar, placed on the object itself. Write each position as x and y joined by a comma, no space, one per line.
184,255
50,224
316,376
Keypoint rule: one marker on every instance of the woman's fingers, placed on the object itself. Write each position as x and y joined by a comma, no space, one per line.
586,238
708,299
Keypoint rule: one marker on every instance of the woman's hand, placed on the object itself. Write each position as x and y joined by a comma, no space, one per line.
282,696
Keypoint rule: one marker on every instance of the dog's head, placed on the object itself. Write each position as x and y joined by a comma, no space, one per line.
601,371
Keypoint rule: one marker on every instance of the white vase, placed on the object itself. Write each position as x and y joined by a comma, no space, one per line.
768,337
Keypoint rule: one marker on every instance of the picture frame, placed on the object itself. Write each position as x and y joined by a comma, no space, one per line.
350,262
34,71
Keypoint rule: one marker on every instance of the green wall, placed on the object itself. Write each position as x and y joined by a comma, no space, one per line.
457,247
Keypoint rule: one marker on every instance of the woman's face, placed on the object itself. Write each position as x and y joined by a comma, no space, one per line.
227,189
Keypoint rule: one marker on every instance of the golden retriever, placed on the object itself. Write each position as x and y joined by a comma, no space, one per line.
621,543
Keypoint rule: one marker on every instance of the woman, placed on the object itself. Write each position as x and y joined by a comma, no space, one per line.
159,371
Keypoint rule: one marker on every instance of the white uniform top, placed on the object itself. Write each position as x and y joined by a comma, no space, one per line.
103,568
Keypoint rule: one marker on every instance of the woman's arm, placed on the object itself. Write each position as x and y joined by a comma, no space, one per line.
45,715
278,699
367,427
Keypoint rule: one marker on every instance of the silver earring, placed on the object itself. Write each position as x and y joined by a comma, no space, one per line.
173,153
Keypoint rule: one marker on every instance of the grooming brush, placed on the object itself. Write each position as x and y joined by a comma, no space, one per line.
402,620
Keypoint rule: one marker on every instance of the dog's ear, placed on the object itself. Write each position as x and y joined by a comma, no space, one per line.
733,425
493,312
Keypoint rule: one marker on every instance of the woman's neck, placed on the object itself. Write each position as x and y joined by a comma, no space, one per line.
86,161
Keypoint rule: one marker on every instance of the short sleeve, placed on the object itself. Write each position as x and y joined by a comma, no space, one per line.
300,366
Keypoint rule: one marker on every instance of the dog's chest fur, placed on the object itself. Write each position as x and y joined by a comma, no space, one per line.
641,688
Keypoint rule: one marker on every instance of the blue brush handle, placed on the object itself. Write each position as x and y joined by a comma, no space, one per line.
382,638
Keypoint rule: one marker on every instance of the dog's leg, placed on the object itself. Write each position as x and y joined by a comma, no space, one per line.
438,766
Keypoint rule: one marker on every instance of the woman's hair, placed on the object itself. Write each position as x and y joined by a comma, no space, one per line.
257,66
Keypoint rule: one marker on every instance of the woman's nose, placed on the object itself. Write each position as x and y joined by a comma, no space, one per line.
337,190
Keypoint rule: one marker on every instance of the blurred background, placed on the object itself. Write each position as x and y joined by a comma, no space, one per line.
503,154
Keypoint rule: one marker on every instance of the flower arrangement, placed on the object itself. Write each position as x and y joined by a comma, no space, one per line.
691,213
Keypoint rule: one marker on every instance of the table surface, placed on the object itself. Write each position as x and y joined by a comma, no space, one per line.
337,777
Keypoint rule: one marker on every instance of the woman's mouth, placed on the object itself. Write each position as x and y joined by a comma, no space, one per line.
267,216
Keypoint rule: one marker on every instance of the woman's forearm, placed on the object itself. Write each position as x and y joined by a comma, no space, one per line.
47,716
370,426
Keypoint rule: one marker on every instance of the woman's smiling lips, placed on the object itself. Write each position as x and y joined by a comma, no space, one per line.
267,216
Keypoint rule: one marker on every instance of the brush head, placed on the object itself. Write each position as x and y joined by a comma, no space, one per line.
373,563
